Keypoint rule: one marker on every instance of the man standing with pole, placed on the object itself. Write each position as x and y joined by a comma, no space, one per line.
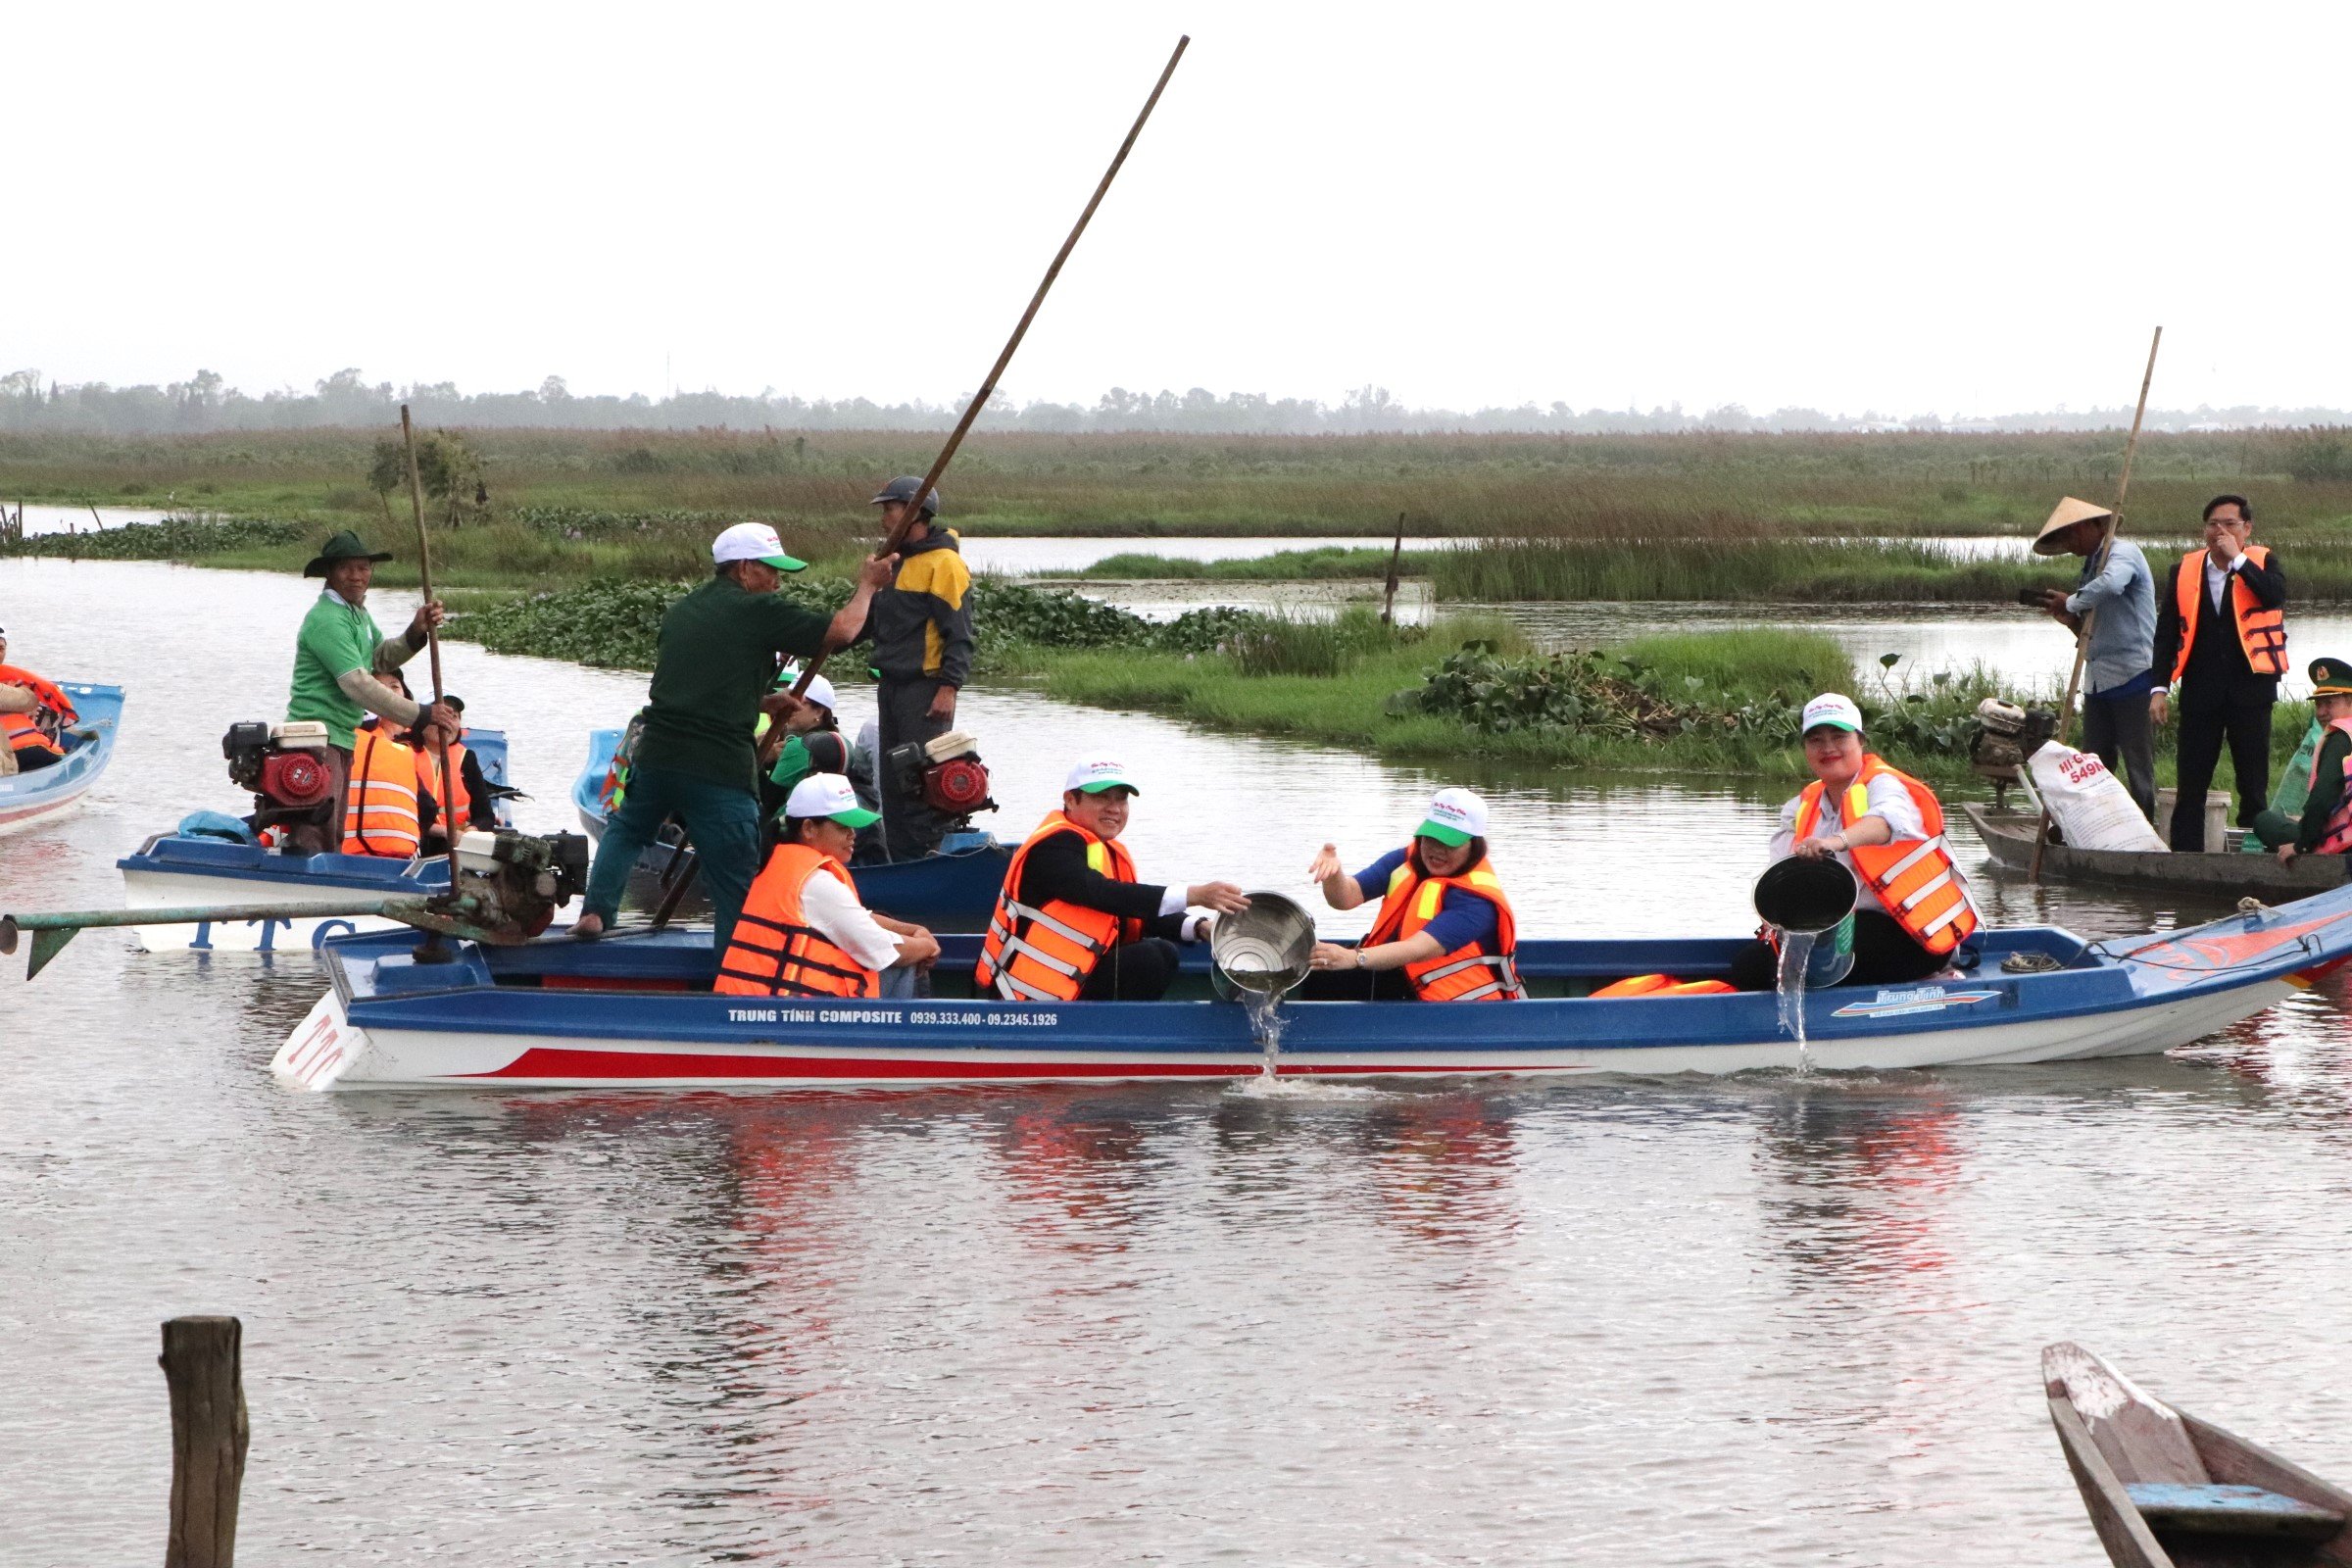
2113,610
921,626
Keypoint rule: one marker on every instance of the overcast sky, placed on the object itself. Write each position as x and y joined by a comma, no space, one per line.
1914,209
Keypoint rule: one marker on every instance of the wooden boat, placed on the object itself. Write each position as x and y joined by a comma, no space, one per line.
2166,1489
2222,874
175,869
636,1010
953,890
28,799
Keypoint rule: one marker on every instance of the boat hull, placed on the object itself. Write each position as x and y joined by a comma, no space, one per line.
30,799
2009,840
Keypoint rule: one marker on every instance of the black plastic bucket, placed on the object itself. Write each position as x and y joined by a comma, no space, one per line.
1817,898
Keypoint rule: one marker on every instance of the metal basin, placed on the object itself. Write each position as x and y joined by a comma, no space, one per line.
1263,950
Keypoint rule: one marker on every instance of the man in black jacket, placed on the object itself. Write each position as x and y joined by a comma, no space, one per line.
921,626
2220,633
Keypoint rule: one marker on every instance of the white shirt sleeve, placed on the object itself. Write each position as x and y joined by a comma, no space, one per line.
1891,800
835,911
1784,837
1172,901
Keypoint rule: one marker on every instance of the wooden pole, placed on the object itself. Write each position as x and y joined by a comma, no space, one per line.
2115,521
432,638
1388,610
203,1364
914,508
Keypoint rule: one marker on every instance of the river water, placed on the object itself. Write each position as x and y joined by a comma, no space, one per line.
1767,1320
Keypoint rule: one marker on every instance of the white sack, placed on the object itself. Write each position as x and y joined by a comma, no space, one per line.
2089,804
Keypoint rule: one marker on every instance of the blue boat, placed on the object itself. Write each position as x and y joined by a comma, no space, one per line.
190,866
29,799
953,890
636,1010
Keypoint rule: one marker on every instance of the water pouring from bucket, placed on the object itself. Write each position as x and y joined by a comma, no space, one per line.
1257,957
1809,907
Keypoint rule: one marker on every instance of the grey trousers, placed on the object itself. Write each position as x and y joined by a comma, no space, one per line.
2119,733
911,829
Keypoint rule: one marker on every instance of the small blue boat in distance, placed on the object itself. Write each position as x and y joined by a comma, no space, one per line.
28,799
953,890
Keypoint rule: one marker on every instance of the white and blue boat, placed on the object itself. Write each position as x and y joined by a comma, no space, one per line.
953,890
195,866
28,799
636,1010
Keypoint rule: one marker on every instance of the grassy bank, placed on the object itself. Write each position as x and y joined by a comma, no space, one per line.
1328,563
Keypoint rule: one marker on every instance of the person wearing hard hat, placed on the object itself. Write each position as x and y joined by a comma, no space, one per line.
695,760
803,931
1445,931
1072,922
921,626
2220,637
2325,826
2116,594
1886,827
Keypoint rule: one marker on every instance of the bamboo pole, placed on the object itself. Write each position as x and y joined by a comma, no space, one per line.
203,1364
914,508
1388,608
2115,521
432,637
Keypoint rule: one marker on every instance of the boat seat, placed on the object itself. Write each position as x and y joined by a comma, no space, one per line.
2209,1509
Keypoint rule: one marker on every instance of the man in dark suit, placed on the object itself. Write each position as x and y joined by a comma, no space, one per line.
2221,635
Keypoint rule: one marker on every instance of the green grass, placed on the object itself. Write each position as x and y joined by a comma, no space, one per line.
1329,563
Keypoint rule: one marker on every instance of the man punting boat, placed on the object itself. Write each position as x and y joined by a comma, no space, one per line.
1072,922
1445,931
803,931
1886,827
34,714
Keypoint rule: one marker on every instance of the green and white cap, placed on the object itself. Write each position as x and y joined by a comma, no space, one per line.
1832,709
829,795
1455,817
752,541
1099,772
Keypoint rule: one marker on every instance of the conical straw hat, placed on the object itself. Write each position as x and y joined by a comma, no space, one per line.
2065,516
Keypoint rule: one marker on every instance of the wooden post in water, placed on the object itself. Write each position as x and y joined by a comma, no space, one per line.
203,1364
1388,608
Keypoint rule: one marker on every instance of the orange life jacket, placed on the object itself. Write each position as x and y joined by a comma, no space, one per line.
1469,973
2261,632
456,801
1914,878
2338,837
1044,954
26,732
775,952
380,800
1663,985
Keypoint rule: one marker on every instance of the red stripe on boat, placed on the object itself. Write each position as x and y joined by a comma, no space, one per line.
557,1061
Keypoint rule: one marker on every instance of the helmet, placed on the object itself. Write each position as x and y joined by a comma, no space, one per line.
902,490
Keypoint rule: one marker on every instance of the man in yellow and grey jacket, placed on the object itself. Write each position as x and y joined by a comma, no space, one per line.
921,626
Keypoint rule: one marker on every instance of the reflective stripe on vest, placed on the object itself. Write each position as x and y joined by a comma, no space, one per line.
775,952
1913,879
2261,631
379,812
456,816
25,731
2338,836
1468,973
1046,953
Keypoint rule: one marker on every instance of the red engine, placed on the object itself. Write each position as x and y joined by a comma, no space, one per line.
956,787
295,780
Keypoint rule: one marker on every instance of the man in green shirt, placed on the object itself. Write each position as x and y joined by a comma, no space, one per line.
338,656
712,666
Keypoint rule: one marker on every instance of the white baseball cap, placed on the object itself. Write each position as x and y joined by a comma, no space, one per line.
1099,772
1455,817
1832,709
752,541
819,691
828,795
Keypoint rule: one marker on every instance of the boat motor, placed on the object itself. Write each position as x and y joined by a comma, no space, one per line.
515,882
945,774
286,767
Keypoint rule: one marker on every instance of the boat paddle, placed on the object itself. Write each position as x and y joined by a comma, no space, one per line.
2115,521
913,510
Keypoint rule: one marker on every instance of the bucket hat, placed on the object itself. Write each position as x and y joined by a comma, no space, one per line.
344,546
2065,516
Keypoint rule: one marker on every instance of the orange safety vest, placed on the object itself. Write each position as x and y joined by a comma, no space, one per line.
25,732
1663,985
775,952
456,801
1469,973
2338,837
1914,878
379,809
2261,632
1044,954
